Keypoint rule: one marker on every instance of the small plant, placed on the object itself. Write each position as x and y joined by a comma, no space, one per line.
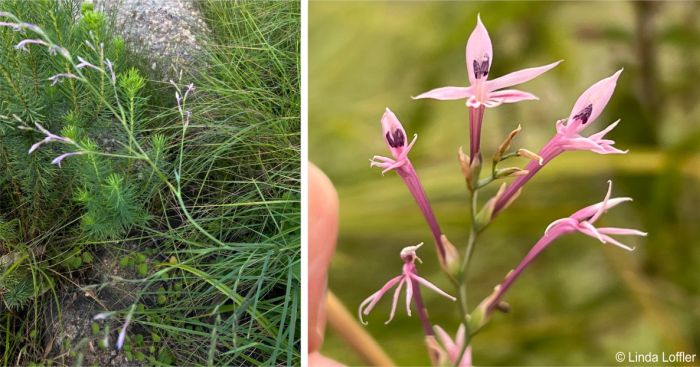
480,95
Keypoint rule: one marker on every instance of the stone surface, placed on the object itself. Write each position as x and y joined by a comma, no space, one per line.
168,32
72,330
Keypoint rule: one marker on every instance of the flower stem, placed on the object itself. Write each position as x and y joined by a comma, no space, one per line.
471,243
410,178
464,270
513,275
420,307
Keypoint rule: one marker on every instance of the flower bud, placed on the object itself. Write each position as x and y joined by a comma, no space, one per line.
511,172
464,163
483,218
505,145
450,264
475,169
438,355
470,168
528,154
481,314
502,306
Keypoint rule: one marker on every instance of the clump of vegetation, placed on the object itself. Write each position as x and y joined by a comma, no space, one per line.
183,197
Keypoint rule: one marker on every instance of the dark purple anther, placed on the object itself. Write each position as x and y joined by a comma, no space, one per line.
398,140
481,69
584,114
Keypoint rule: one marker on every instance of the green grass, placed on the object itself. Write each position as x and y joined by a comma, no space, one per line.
201,230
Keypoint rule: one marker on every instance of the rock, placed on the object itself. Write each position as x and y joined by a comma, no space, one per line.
168,32
72,330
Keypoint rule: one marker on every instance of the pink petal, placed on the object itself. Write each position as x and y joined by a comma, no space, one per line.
42,129
607,148
122,337
589,211
394,133
602,133
366,311
431,286
36,145
396,299
590,230
409,295
518,77
621,231
386,164
409,147
617,243
508,96
61,157
102,315
603,206
479,50
372,300
466,358
445,339
447,93
592,102
563,225
380,293
122,333
600,146
461,335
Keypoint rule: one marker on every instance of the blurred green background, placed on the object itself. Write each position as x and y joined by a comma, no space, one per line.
581,301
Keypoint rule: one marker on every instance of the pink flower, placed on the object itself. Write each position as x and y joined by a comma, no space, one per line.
84,63
567,138
122,333
49,138
450,350
409,277
581,221
15,26
61,157
110,66
53,49
102,316
483,92
396,139
56,78
33,27
23,44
